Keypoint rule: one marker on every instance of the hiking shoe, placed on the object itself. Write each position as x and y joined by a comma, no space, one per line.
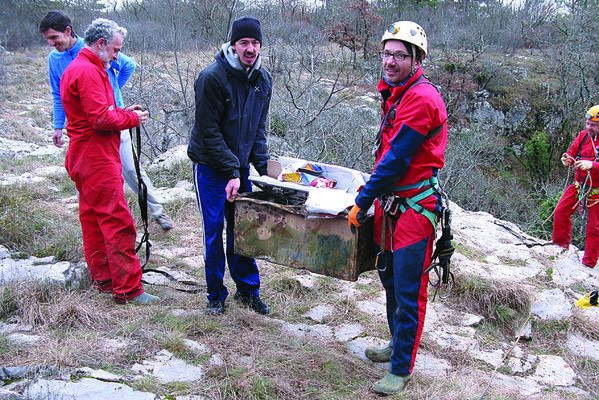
145,298
216,307
379,354
252,301
165,222
391,384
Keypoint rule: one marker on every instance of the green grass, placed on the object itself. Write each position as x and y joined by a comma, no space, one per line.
469,252
147,383
502,304
176,346
179,171
6,347
29,226
173,322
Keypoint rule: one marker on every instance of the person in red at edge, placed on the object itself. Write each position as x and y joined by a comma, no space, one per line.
584,157
94,125
410,151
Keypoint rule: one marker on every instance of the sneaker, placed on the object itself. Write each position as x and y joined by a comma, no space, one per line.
216,307
252,301
379,354
144,299
391,384
165,222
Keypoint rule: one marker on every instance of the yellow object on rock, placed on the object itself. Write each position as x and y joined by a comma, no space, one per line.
588,300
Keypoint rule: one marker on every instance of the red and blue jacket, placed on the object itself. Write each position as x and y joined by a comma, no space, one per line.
583,148
405,155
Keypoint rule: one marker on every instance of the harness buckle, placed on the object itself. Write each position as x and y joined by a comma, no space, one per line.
393,204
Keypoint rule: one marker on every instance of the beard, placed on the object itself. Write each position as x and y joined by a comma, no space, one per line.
103,54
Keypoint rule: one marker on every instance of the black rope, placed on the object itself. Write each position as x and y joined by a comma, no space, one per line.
143,205
142,194
197,287
524,241
444,249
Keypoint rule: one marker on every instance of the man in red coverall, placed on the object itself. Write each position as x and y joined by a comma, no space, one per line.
410,151
584,157
94,124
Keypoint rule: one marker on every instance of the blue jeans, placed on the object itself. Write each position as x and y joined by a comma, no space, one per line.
215,210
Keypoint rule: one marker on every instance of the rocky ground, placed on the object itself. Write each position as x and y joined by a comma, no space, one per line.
509,329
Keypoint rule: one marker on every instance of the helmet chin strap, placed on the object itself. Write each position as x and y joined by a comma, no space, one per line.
413,69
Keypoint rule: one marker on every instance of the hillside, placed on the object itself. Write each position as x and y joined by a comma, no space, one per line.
509,330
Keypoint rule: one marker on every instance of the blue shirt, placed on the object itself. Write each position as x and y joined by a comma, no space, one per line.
119,73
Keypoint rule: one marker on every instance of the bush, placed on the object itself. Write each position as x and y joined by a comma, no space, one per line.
537,153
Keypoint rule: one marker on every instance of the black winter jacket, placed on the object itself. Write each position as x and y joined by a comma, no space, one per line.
229,130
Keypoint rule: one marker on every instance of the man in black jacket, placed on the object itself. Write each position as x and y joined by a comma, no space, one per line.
232,98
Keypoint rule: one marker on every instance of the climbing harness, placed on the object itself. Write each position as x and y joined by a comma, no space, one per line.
393,206
145,239
585,191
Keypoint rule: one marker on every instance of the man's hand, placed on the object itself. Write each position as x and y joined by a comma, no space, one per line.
57,138
356,218
583,165
567,159
232,188
141,114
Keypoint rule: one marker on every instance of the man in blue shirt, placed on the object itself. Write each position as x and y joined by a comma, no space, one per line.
57,29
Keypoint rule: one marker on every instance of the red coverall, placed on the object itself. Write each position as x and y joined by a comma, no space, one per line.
583,148
405,156
93,163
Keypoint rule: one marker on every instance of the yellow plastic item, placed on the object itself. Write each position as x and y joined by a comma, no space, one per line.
585,301
291,177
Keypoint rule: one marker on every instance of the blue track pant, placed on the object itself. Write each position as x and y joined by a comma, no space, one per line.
406,287
215,210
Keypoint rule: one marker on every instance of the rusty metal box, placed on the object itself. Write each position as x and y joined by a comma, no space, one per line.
284,235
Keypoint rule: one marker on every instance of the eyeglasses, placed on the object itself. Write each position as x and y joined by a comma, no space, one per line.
397,56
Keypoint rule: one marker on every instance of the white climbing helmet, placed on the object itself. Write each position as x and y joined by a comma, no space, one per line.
407,31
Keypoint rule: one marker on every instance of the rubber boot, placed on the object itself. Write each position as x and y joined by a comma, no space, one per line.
391,384
145,298
379,354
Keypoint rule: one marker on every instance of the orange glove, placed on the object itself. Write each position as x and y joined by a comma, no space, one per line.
356,218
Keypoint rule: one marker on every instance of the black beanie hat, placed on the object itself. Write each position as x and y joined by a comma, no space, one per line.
246,27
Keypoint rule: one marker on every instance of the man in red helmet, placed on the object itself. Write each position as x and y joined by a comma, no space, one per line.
584,157
404,189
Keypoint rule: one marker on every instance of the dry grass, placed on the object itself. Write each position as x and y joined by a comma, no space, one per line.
32,224
503,303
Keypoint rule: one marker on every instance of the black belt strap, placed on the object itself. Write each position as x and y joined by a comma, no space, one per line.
143,205
142,193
